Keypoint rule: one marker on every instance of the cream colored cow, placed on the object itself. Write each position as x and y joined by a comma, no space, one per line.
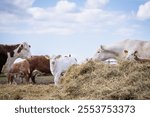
115,51
135,56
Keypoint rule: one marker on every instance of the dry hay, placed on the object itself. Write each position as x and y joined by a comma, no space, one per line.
91,80
27,92
95,80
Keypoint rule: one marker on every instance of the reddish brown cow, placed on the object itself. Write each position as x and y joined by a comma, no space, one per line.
39,63
21,70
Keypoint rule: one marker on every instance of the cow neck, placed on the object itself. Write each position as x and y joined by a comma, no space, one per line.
10,48
114,53
9,62
10,59
115,50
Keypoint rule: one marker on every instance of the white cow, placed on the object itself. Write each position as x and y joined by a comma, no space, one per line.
115,51
59,64
129,55
134,56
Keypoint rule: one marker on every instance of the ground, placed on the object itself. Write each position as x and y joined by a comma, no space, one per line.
40,90
91,80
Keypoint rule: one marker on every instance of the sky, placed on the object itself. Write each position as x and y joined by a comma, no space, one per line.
76,27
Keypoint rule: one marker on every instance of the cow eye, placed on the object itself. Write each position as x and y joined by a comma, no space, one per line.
98,52
53,62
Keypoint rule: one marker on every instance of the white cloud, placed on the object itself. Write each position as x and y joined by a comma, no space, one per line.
95,4
144,11
65,6
62,8
38,13
21,3
63,18
33,31
125,32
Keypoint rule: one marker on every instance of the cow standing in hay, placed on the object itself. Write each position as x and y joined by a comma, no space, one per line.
59,65
9,53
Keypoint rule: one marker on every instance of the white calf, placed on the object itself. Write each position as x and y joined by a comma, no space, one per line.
134,56
59,65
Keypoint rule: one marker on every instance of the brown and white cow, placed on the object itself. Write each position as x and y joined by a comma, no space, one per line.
33,64
19,70
9,53
40,63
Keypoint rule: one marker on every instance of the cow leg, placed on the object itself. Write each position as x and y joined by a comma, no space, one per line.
33,79
27,79
22,75
10,78
57,79
1,66
14,79
21,78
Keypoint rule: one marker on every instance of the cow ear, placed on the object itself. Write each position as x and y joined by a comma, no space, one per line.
69,55
20,48
57,57
136,52
102,47
126,51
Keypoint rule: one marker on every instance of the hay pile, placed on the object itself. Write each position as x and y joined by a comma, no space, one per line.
91,80
95,80
28,92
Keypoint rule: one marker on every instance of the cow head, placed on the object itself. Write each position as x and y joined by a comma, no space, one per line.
103,54
54,59
53,62
23,51
130,55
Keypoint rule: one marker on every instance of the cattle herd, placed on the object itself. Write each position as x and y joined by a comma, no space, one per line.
133,50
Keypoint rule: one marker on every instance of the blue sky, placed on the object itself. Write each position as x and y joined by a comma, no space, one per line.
74,27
